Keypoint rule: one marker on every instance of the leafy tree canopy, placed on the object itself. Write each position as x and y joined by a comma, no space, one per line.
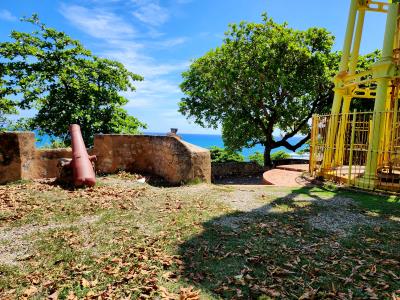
264,76
49,71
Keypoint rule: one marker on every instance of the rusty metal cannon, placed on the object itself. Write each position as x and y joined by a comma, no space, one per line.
81,163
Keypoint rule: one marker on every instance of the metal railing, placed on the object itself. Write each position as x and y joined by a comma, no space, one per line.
341,149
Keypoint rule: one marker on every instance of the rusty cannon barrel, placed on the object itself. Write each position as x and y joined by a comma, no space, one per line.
82,168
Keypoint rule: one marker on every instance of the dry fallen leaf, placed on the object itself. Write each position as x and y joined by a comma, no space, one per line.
32,290
189,294
167,295
71,296
85,283
53,296
395,297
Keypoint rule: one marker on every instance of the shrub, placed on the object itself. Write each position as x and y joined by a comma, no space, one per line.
55,144
257,157
219,155
280,155
304,151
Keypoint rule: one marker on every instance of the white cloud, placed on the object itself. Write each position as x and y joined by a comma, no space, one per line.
135,102
157,88
154,93
97,23
136,61
6,15
150,12
155,99
171,42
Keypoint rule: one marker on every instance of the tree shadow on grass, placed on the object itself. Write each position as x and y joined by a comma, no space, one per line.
310,243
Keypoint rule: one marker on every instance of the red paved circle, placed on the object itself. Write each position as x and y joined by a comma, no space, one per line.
289,175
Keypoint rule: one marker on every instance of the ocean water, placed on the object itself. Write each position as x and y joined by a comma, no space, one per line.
202,140
207,141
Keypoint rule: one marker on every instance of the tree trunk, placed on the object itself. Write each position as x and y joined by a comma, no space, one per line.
267,157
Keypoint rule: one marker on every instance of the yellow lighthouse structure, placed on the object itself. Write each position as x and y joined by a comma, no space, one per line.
363,148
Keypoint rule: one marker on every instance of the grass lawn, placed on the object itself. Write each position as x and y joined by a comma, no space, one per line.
128,240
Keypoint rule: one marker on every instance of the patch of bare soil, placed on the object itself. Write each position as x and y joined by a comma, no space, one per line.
341,221
243,200
340,216
16,243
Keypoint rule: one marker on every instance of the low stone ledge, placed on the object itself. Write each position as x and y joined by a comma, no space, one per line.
247,169
235,169
46,161
168,157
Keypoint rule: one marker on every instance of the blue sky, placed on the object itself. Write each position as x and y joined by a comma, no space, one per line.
159,38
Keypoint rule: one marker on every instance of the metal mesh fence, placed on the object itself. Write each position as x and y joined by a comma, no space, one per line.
342,150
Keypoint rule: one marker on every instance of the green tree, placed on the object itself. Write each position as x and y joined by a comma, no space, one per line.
49,71
264,76
7,107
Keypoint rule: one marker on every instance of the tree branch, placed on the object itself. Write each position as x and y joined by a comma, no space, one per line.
304,122
285,143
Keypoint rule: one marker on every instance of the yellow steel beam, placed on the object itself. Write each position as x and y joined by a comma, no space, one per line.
357,41
357,79
377,6
355,51
368,93
383,75
364,93
339,90
339,153
353,130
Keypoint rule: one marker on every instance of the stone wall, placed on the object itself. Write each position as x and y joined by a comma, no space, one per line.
235,169
46,162
17,152
174,160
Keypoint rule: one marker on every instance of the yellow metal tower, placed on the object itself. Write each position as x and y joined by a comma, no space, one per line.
363,148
